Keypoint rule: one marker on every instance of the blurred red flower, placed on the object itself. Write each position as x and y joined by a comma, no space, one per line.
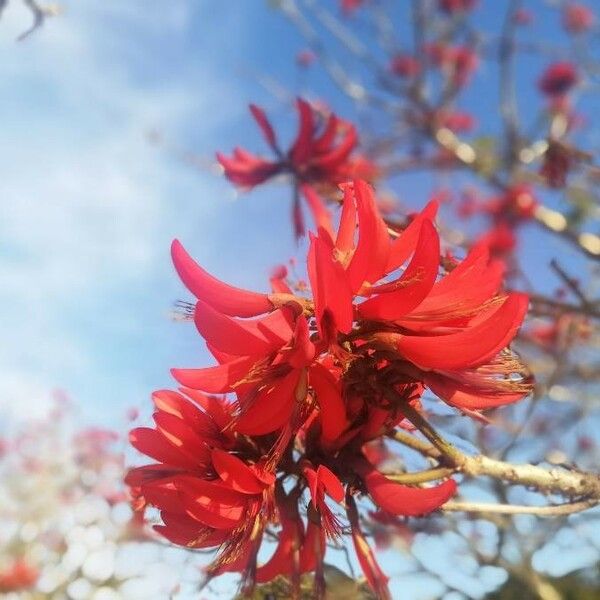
558,79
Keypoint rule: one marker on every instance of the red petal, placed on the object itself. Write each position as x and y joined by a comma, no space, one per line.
236,473
474,281
175,404
272,407
282,560
347,229
241,338
303,350
331,290
302,148
464,396
414,284
402,247
141,476
324,142
336,157
399,499
472,346
218,408
164,496
265,126
331,483
182,436
151,443
298,219
332,412
371,569
225,298
313,548
185,531
313,485
214,380
211,503
371,255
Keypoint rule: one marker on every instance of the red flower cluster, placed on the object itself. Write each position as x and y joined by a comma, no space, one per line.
320,154
457,121
457,62
313,379
558,79
577,18
507,212
455,6
405,65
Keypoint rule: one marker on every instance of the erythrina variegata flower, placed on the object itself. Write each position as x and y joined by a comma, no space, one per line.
305,382
319,155
558,79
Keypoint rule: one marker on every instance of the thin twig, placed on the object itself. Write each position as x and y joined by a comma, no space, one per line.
518,509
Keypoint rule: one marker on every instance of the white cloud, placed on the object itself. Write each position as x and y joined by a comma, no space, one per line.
86,205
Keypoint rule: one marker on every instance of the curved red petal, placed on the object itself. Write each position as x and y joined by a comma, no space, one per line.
302,147
324,142
211,503
225,298
332,413
214,380
333,486
272,407
470,397
396,299
399,499
338,155
235,473
151,443
237,337
472,346
402,247
371,254
265,126
374,575
347,228
330,286
282,560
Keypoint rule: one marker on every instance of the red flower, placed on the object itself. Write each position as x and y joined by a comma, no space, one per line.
457,121
314,378
577,18
18,576
305,58
558,79
457,62
405,65
500,239
523,17
349,7
319,155
455,6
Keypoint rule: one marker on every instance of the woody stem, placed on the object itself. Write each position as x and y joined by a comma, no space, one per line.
418,420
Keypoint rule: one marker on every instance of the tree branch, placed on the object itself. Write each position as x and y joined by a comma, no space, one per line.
518,509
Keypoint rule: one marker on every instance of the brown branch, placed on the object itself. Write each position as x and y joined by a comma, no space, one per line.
569,483
553,510
421,476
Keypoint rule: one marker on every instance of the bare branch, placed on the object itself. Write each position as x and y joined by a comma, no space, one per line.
553,510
